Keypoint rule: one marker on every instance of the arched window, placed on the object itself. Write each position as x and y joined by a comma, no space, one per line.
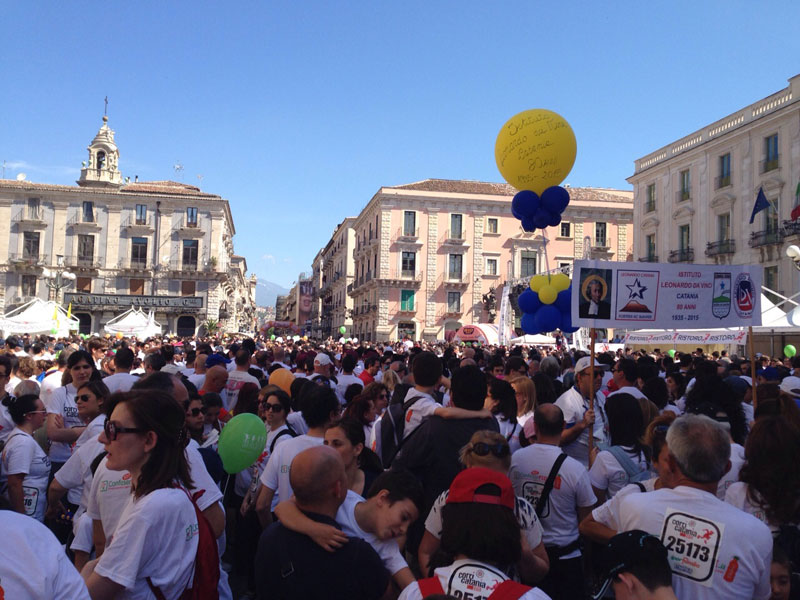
101,160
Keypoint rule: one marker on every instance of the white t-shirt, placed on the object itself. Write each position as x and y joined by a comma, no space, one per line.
254,471
22,455
6,423
108,496
529,470
574,405
236,381
424,407
120,382
76,472
629,389
607,474
62,402
33,564
716,551
469,579
388,550
732,476
198,379
524,511
276,473
608,512
298,423
156,537
50,383
201,480
737,496
346,381
510,430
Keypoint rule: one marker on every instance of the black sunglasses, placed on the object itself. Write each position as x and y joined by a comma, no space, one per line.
499,449
271,407
83,397
194,412
111,430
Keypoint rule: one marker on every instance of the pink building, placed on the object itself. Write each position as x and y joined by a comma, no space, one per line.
426,253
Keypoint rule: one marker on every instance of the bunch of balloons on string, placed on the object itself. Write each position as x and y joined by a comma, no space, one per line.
535,151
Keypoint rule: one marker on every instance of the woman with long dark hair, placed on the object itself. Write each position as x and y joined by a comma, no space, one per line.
361,464
156,540
502,403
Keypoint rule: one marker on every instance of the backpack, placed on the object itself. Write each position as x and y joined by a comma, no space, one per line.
287,431
393,423
631,470
205,581
507,590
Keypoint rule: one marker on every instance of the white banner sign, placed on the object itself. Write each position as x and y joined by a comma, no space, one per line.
689,337
665,296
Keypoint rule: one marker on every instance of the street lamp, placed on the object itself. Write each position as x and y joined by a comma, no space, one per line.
793,252
59,278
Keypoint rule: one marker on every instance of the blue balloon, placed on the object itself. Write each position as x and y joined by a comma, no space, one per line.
564,300
528,323
525,203
548,318
541,219
553,218
566,323
514,212
555,199
529,301
528,224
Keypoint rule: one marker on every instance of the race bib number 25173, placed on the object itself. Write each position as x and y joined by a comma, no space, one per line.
692,544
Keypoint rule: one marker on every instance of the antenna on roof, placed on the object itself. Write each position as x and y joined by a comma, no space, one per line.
4,169
200,179
105,110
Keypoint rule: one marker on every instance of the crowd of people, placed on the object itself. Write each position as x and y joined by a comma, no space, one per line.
399,470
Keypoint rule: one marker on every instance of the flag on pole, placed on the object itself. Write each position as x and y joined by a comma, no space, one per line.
796,209
761,204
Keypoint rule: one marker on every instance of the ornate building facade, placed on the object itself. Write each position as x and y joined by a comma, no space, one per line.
160,245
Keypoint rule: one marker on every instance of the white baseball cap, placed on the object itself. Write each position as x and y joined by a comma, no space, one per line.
791,385
322,359
585,362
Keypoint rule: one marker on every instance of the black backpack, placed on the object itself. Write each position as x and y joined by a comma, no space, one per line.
393,423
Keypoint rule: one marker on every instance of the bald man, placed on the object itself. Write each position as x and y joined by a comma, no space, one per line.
198,378
292,565
216,378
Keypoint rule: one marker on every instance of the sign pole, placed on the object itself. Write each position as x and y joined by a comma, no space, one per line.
592,337
752,365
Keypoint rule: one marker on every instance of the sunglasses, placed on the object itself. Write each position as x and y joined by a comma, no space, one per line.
36,412
83,397
111,430
194,412
499,449
272,407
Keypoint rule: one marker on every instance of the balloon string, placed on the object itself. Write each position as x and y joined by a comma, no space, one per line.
546,260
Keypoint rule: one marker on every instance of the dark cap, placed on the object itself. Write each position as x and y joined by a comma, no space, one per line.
626,551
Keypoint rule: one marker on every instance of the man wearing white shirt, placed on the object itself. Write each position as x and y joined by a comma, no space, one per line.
121,380
346,377
238,377
579,416
716,551
624,373
569,501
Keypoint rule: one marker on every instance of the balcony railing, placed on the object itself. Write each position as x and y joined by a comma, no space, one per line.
683,195
405,275
682,255
650,206
721,247
134,264
83,262
722,181
407,234
27,259
765,238
82,219
653,258
454,279
769,164
29,215
791,228
133,221
454,236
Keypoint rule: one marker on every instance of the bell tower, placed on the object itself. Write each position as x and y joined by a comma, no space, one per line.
103,167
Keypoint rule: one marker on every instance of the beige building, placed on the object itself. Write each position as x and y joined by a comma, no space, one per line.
425,254
694,197
159,245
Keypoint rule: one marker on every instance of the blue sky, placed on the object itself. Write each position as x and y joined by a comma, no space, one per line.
297,112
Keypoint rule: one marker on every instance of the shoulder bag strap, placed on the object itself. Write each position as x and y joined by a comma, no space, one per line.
510,435
509,590
624,461
275,439
548,485
430,586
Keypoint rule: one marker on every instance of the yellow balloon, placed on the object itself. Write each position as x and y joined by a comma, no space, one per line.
559,281
119,335
547,294
537,281
535,149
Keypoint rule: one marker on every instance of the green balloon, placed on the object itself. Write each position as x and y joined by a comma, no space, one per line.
789,351
671,352
272,337
342,329
241,442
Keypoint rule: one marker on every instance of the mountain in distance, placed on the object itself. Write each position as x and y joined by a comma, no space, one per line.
267,292
634,306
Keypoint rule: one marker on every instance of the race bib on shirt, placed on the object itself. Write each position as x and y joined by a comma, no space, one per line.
474,582
532,491
30,500
692,544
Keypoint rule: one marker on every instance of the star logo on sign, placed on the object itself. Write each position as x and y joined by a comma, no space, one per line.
637,290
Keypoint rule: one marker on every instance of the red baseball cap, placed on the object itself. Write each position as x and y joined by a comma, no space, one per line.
465,486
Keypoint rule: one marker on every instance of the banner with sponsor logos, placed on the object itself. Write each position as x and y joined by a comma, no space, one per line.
665,296
669,338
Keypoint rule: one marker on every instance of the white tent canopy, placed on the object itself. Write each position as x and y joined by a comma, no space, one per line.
38,316
534,340
134,322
